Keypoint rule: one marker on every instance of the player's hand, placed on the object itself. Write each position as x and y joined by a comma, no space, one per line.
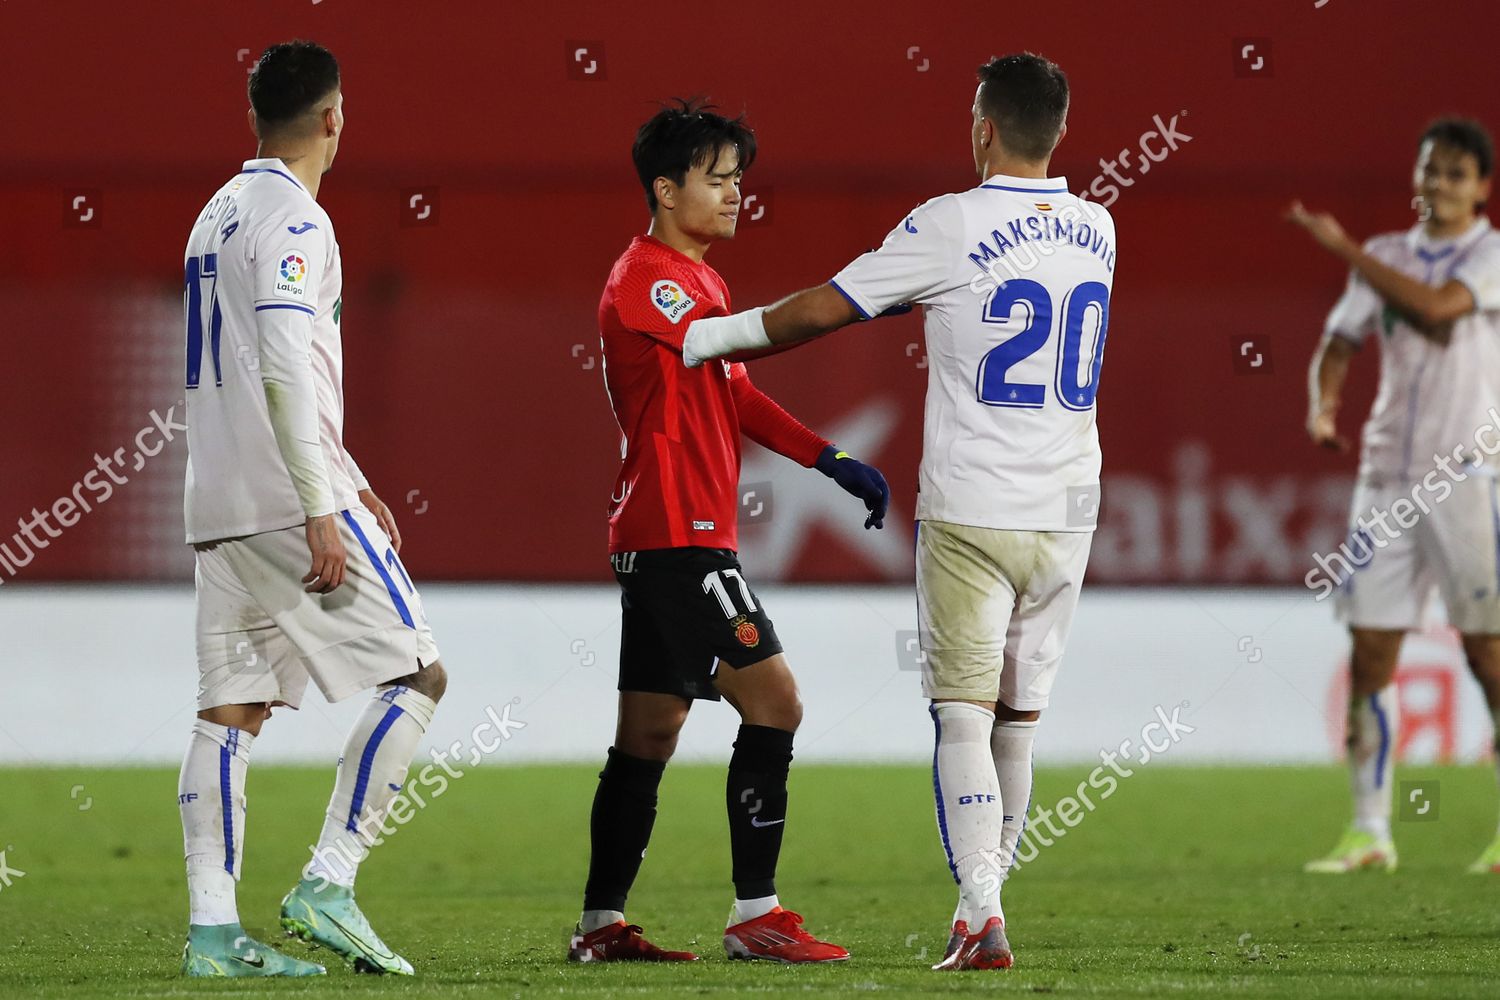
383,516
1323,227
858,479
1324,433
328,555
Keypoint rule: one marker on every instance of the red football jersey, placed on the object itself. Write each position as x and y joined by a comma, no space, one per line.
680,427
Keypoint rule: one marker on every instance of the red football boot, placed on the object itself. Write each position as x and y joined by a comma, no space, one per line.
620,942
986,950
778,937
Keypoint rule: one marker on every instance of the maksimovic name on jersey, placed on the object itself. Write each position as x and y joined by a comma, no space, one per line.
1043,229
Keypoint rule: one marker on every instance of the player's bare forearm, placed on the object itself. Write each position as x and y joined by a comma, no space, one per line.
807,315
756,333
1325,386
1429,309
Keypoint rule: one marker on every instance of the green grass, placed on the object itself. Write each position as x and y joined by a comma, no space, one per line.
1185,882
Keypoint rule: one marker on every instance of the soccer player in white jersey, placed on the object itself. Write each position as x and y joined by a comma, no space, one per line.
1431,296
297,574
1014,278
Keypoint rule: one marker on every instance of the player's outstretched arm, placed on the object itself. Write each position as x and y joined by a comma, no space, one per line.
1325,384
762,331
1430,310
914,263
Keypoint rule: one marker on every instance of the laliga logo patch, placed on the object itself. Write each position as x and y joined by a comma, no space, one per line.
671,300
746,632
291,276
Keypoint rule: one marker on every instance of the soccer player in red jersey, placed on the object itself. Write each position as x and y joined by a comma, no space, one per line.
692,627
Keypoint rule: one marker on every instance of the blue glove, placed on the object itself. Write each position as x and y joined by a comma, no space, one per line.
857,479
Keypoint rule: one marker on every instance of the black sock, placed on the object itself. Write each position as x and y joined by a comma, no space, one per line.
756,796
619,828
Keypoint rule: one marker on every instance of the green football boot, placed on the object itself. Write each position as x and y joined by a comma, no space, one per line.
226,950
1356,850
1489,861
330,917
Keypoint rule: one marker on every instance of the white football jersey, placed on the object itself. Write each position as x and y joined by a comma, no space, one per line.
1014,278
1432,397
262,290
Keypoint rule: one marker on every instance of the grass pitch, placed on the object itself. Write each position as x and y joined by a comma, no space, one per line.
1185,882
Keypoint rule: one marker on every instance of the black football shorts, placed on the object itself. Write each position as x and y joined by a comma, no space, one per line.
684,610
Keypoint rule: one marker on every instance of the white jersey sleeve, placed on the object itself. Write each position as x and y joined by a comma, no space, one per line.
265,402
1480,273
914,263
1357,312
287,267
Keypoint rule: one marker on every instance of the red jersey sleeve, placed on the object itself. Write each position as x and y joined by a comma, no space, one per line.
660,301
763,421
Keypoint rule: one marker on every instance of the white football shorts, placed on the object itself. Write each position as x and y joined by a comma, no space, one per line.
994,608
261,635
1454,550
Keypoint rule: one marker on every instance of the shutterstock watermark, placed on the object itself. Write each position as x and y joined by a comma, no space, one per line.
1373,530
1163,732
1170,140
1025,242
37,532
486,738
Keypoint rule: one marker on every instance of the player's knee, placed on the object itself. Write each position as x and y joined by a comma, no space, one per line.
1372,659
248,717
791,712
1004,713
656,743
1482,653
431,681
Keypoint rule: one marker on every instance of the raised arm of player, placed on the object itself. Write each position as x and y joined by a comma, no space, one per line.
1430,310
913,263
288,267
763,421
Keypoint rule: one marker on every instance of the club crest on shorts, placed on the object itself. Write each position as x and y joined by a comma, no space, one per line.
745,631
671,300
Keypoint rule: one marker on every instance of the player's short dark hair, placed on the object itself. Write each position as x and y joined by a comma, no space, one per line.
1026,96
289,80
683,135
1465,135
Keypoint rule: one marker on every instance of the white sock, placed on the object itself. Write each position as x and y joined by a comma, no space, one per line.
1371,742
371,771
1010,746
592,920
749,909
969,808
211,798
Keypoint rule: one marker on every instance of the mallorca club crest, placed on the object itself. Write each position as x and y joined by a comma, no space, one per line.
745,631
671,301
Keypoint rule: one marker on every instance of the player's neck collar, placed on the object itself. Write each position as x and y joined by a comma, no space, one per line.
1417,236
272,165
1031,185
664,245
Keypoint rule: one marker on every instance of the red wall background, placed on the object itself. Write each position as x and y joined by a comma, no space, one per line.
471,343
